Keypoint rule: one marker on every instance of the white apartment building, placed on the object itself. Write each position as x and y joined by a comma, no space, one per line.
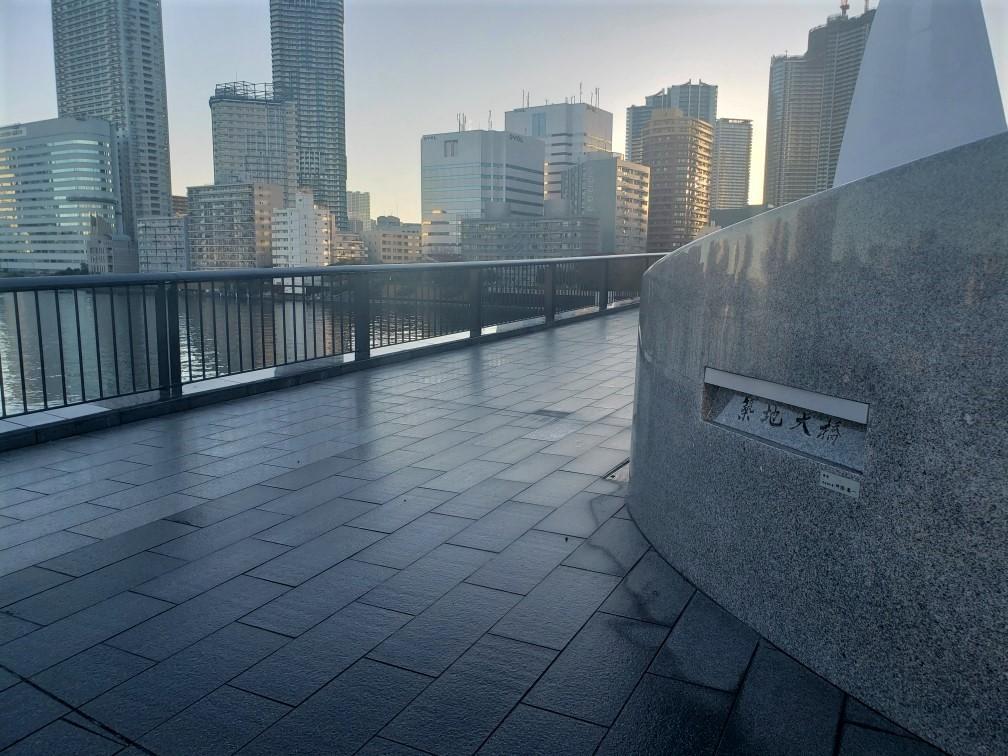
393,242
301,234
730,164
462,173
59,186
569,130
230,225
163,244
617,192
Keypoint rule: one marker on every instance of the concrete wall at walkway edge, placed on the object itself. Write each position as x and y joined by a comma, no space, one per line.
891,291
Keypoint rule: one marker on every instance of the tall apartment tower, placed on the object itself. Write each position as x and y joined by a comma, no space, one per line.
307,47
617,192
730,168
809,98
570,131
359,211
693,100
254,137
110,65
471,174
677,149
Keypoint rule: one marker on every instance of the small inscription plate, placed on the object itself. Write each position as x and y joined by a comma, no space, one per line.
812,431
846,486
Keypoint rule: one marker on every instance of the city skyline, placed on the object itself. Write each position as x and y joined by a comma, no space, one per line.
206,43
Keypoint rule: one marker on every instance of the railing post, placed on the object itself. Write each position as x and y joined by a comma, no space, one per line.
604,286
168,348
475,303
362,316
549,293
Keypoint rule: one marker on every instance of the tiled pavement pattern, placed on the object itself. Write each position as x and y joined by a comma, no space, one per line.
422,558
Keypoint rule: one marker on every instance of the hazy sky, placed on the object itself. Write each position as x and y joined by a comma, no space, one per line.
412,65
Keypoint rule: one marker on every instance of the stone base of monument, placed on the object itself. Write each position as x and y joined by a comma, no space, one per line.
820,440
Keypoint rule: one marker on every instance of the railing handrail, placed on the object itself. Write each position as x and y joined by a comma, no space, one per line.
46,283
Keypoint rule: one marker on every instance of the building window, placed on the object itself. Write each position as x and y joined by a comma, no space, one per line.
450,147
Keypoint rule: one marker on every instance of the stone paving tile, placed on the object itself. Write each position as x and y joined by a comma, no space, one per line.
708,646
54,643
305,475
555,431
156,489
614,548
582,515
345,714
438,636
481,498
652,591
63,600
300,608
528,730
27,582
514,451
193,578
465,476
412,541
205,541
437,442
159,467
42,505
457,712
90,673
498,529
62,737
598,670
156,695
597,461
311,496
235,481
315,556
783,708
426,580
25,709
856,741
14,627
401,510
858,713
184,624
141,514
670,717
25,478
7,679
555,489
13,496
310,661
552,613
523,564
534,467
383,747
392,485
215,510
97,555
313,523
54,522
54,483
379,467
222,722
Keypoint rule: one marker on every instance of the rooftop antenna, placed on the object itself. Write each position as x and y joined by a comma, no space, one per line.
865,6
580,91
844,7
490,121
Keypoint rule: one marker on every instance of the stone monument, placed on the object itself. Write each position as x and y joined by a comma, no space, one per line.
820,438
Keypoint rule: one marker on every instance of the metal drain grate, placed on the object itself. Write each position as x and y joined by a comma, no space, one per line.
620,473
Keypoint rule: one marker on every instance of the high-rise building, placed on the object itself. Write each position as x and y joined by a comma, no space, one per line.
301,233
110,65
616,191
730,169
163,244
677,149
254,137
809,98
307,47
463,172
569,130
230,225
56,177
508,237
359,211
179,204
693,100
390,241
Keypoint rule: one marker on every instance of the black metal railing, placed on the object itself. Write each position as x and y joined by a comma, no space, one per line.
67,340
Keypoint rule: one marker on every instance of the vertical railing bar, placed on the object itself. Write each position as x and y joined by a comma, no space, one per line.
129,325
80,347
59,336
213,324
94,312
326,292
262,326
38,331
147,360
241,360
3,387
115,340
202,330
227,325
17,327
174,347
188,332
314,323
283,297
304,321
